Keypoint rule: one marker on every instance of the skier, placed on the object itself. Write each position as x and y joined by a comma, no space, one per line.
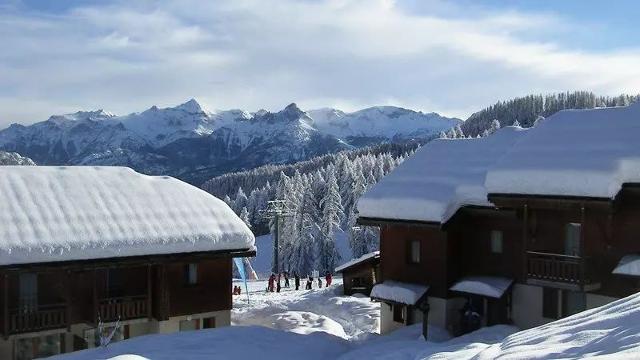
296,280
309,282
319,282
278,285
286,279
328,278
272,279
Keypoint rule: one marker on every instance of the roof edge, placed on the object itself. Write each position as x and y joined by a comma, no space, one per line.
131,260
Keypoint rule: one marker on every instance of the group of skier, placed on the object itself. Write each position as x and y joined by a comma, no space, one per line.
274,283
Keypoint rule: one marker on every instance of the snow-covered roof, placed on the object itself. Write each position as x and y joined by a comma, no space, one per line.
491,286
438,179
573,153
359,260
70,213
628,265
400,292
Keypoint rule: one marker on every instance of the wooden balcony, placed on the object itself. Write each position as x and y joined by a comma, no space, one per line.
39,318
560,271
123,308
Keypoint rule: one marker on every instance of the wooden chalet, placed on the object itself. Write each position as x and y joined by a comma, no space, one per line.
84,248
522,227
359,275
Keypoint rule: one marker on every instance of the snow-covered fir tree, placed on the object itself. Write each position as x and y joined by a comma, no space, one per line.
321,195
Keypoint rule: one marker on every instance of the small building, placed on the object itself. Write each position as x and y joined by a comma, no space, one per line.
521,227
91,249
359,275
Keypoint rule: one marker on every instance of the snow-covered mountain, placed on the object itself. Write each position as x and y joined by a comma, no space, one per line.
386,123
194,144
11,158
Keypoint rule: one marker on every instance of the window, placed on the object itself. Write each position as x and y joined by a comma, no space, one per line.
496,242
191,274
209,323
28,297
398,313
550,303
414,251
573,302
572,239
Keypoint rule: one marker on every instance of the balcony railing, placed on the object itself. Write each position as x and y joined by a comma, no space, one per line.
123,308
37,318
572,271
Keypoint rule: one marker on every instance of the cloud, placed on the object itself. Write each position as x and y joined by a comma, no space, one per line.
125,56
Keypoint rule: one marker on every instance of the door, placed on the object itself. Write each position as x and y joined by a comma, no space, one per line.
572,237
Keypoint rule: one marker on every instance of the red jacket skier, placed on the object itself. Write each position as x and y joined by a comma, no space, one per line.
328,278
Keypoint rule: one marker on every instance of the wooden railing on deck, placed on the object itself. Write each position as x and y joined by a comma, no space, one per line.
38,318
556,268
123,308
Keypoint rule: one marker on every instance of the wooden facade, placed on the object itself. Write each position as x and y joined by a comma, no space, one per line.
360,277
56,296
563,244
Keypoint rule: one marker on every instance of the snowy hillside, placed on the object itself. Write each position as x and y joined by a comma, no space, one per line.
195,144
262,262
11,158
321,324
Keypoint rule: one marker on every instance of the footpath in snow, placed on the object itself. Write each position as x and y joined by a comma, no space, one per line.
321,324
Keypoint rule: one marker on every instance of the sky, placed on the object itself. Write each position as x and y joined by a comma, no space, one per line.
451,57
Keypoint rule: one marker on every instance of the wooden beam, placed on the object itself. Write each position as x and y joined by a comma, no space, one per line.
525,241
118,262
95,297
381,222
69,304
149,293
583,246
5,304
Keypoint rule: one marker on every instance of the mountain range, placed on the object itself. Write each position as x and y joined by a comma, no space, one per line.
194,144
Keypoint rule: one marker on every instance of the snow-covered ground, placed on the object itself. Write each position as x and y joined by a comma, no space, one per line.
307,311
322,324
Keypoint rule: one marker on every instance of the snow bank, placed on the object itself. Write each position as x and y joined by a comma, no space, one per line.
491,286
304,322
438,179
71,213
573,153
317,310
610,330
362,258
235,342
400,292
628,265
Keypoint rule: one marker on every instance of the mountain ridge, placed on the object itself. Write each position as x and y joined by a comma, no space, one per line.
188,139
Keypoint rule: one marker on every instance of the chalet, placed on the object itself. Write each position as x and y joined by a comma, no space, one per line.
524,226
85,250
360,274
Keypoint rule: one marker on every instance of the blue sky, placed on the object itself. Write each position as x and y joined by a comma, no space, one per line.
452,57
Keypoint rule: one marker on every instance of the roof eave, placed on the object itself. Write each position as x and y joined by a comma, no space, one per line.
113,262
371,221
